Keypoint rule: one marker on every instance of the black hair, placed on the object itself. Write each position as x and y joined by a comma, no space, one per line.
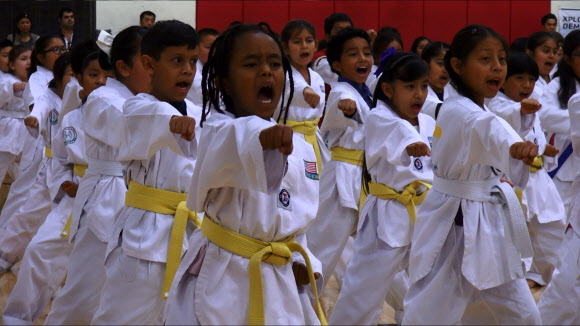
217,67
463,43
296,26
90,58
168,33
40,48
567,77
338,17
146,13
16,51
519,45
5,43
522,63
78,54
336,43
385,36
63,10
206,32
17,20
416,42
548,16
59,69
322,44
125,46
537,39
558,37
234,23
433,50
402,66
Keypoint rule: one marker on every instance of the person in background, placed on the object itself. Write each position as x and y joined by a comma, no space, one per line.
419,44
22,34
147,19
66,19
549,22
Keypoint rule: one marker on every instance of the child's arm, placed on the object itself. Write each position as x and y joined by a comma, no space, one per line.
574,108
62,170
103,121
520,116
36,121
554,119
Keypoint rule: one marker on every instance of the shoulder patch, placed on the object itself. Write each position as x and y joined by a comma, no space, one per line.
70,135
53,117
311,170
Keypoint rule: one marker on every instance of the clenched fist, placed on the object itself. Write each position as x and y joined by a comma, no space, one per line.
525,151
530,105
31,122
418,149
277,137
301,274
183,125
347,106
551,151
18,87
70,188
311,97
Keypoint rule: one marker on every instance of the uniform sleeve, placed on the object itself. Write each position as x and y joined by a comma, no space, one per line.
62,170
6,91
387,139
335,118
231,155
147,131
574,108
490,139
40,112
103,121
554,119
322,67
511,112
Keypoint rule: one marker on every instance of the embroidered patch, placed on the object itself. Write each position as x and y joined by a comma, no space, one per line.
70,135
430,141
311,170
437,132
53,117
418,164
322,88
284,199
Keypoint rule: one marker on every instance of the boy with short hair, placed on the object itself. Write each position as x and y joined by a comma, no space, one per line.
147,19
206,38
332,25
152,230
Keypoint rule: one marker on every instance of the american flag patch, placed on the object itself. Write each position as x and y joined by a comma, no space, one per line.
311,170
322,88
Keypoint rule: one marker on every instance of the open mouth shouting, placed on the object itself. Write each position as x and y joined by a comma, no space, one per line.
304,55
183,86
266,94
363,70
493,84
416,107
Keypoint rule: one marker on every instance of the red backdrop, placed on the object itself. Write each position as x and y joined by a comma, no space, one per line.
437,19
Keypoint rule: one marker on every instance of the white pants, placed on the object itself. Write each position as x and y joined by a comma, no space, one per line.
444,296
42,270
6,161
560,303
565,191
180,307
78,300
328,234
132,291
340,268
546,242
20,229
369,277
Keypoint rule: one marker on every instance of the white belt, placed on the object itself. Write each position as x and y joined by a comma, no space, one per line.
112,168
518,244
13,114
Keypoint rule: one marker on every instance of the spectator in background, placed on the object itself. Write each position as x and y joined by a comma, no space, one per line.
147,19
66,19
22,34
549,22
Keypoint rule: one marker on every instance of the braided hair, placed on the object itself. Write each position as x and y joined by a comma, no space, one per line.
217,67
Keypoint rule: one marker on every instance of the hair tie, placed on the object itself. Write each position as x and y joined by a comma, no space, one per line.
384,56
105,41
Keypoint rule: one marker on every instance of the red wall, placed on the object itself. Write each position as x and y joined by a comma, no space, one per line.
437,19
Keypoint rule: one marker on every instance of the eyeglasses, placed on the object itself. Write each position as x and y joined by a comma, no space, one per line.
57,49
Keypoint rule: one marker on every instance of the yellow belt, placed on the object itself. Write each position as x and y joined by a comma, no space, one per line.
537,165
350,156
408,197
308,129
169,203
48,152
79,170
279,253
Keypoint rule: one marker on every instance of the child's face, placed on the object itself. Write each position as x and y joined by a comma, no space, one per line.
172,75
4,58
438,75
519,86
92,77
574,61
545,56
337,27
395,44
21,65
407,97
68,74
301,48
48,56
205,46
484,69
355,61
421,46
256,77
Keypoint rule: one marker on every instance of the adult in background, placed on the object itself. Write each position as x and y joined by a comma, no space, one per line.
549,22
147,19
21,33
66,19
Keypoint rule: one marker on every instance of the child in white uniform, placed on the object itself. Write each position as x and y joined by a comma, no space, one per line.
343,131
433,54
542,47
254,180
470,235
398,177
206,38
45,260
546,216
101,194
151,231
299,42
